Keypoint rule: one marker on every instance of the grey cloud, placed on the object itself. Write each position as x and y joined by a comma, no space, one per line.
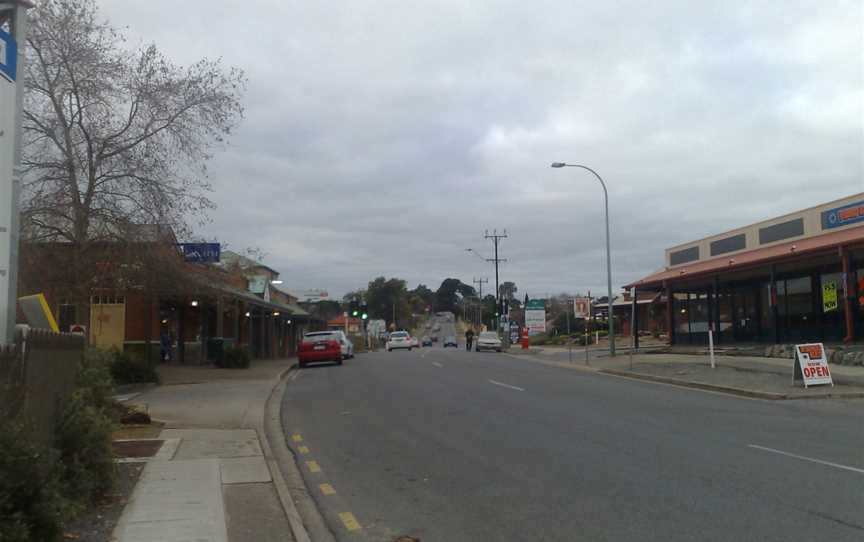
385,137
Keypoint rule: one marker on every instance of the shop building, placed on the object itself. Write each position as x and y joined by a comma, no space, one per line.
794,278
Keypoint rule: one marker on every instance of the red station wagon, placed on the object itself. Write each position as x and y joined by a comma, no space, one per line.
320,346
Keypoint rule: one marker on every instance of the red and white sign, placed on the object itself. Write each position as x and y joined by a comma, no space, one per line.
813,363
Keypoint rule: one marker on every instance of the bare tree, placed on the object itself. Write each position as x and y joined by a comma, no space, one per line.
116,139
115,136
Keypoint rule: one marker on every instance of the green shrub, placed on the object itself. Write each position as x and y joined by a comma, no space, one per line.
83,440
127,369
31,504
234,357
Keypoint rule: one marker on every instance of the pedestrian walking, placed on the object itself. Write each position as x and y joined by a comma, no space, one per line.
469,339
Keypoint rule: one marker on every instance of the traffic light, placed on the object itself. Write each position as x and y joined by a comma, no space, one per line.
364,310
354,309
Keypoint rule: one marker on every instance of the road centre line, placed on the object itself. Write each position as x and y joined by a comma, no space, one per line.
503,385
436,364
805,458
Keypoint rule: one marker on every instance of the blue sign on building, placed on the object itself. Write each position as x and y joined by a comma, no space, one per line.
8,56
201,252
843,216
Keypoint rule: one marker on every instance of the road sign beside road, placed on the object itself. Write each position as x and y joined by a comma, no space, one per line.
535,316
811,365
8,56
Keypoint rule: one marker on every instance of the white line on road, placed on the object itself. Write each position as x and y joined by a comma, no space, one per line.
436,364
503,385
805,458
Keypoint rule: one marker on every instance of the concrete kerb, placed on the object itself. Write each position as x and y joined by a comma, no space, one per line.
284,471
743,392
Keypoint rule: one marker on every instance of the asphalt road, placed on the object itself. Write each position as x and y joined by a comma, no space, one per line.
448,445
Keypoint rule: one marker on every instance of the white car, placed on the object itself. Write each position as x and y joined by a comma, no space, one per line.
415,342
399,339
344,341
488,340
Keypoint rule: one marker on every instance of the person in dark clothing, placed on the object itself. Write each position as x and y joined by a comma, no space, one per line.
469,338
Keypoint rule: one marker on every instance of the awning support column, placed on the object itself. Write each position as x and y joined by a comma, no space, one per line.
775,313
670,330
849,287
635,317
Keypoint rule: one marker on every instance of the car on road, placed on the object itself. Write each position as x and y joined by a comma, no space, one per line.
399,339
415,342
347,345
427,341
319,346
436,327
434,338
450,341
488,340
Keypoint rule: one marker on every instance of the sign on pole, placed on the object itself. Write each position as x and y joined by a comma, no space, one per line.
811,365
535,316
8,56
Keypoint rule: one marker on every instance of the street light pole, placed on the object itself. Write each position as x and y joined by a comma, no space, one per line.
610,311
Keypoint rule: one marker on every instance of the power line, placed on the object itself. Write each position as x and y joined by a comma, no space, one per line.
496,237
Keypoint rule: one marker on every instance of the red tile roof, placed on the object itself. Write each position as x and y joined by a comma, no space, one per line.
759,256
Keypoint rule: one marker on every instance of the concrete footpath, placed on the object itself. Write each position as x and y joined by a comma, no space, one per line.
212,477
758,377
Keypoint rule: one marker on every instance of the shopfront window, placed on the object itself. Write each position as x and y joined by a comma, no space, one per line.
832,306
700,316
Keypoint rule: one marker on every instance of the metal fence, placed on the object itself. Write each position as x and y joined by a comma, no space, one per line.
37,374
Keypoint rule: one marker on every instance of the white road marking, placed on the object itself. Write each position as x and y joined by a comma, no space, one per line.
805,458
503,385
436,364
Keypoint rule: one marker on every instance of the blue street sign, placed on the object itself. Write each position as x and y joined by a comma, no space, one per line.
8,56
201,252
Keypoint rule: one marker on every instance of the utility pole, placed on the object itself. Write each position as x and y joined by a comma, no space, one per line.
496,237
479,283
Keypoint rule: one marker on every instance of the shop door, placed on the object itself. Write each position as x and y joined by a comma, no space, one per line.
745,303
108,321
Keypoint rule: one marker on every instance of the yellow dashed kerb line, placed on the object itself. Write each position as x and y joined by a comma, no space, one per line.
313,466
327,489
303,449
349,520
296,438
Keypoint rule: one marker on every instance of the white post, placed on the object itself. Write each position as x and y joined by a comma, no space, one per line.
11,68
711,345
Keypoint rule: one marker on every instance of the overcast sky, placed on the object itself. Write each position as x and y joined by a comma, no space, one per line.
383,137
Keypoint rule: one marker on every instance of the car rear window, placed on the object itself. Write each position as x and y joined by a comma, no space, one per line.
488,335
321,336
399,334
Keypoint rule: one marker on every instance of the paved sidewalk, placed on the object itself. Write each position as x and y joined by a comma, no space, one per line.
217,485
768,378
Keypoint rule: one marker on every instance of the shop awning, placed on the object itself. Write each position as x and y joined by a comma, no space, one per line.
753,258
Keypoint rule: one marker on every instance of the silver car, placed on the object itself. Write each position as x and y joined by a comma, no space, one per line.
488,340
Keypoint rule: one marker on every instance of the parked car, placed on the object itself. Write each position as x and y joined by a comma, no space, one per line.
347,345
427,341
399,339
320,346
488,340
450,341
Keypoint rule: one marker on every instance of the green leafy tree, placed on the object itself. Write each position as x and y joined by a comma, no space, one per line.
386,297
450,294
